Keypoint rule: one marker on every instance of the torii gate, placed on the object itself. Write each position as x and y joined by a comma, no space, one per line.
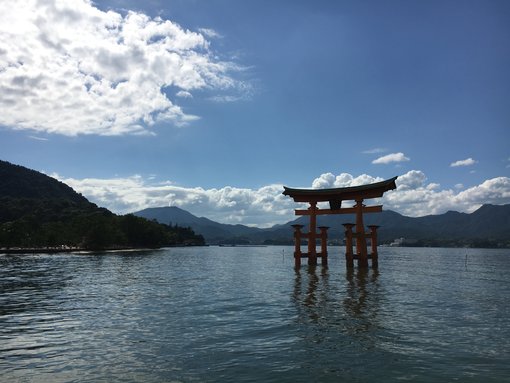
335,197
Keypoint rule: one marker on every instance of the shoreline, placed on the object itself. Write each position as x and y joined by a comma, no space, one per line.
79,250
50,250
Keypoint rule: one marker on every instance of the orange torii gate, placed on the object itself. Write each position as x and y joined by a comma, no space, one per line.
335,197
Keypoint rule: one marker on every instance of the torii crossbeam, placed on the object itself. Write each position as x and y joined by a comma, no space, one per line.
335,197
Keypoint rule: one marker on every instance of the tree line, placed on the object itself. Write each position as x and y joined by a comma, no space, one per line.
51,223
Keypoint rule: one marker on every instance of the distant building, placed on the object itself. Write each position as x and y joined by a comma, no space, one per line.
398,242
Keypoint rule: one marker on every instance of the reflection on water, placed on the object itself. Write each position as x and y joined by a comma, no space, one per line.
350,306
362,301
312,296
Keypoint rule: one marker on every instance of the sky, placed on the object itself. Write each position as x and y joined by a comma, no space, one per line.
214,105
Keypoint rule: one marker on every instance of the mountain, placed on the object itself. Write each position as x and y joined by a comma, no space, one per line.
38,211
25,192
212,231
489,226
20,182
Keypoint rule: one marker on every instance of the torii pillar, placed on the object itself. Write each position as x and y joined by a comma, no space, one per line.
361,242
312,235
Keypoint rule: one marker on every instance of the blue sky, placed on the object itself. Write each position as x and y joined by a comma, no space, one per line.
214,105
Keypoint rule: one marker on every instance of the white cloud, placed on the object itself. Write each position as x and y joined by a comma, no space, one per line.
416,198
254,207
38,138
210,33
328,180
393,157
267,206
184,94
374,151
412,180
466,162
70,68
495,191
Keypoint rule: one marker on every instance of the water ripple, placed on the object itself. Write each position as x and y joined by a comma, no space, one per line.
227,314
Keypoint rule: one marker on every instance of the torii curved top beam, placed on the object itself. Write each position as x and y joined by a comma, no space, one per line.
335,196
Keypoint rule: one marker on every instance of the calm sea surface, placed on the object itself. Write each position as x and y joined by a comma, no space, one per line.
245,315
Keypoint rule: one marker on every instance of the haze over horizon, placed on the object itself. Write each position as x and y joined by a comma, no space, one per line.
213,106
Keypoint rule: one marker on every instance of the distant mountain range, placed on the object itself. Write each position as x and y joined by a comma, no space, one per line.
489,226
212,231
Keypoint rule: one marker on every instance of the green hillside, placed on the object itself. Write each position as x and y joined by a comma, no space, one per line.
37,211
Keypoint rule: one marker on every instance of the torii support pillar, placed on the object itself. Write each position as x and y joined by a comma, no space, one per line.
373,241
297,245
324,244
349,255
361,242
312,235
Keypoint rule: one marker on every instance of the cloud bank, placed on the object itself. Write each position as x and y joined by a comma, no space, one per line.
266,206
255,207
70,68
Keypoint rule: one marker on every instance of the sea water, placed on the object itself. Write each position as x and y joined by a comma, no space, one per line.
244,314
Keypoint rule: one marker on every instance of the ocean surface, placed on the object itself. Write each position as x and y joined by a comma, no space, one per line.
243,314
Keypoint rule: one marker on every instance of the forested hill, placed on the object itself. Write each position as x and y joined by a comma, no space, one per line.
38,211
20,182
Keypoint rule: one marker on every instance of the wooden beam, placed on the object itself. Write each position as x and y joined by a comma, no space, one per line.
354,193
345,210
320,255
366,235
